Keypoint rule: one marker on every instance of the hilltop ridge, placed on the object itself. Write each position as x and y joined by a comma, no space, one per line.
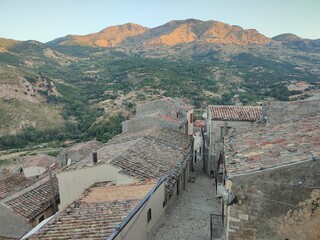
172,33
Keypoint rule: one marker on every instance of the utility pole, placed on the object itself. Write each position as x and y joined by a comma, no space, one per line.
52,191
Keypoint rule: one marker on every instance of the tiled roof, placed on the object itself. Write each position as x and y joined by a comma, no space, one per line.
235,113
84,147
13,184
145,154
264,147
35,201
40,160
199,123
96,214
161,152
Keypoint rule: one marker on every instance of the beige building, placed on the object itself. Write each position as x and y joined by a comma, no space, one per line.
219,121
121,189
109,211
156,155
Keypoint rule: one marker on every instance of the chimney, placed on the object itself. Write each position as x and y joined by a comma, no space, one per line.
95,158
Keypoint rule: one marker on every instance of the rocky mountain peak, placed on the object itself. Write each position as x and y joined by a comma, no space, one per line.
172,33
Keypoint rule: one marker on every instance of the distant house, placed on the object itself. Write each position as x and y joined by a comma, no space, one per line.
219,121
167,112
24,203
78,151
36,165
271,185
299,86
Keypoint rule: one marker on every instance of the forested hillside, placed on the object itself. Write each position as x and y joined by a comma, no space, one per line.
71,90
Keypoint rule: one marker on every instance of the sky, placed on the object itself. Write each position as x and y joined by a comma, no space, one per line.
45,20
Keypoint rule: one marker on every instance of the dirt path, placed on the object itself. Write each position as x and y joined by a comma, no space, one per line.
189,216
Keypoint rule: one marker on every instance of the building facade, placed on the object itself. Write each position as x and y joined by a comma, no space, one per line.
219,121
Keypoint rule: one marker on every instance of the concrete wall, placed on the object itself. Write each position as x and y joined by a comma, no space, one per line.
73,155
145,122
11,224
73,183
47,213
215,146
279,112
190,118
273,205
33,171
169,106
139,228
198,146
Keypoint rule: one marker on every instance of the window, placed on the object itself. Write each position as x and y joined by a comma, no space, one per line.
191,118
195,156
178,187
149,215
41,219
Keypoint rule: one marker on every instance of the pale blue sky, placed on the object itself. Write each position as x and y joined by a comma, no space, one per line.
45,20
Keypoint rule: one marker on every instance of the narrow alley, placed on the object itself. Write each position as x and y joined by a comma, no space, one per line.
189,217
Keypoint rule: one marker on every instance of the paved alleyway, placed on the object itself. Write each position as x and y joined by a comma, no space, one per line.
189,216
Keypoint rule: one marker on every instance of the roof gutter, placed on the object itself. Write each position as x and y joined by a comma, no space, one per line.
257,170
135,210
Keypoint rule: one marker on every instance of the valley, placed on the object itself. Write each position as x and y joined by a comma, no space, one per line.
81,87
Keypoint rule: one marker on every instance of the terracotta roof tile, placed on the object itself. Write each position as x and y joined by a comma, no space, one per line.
263,147
96,214
235,113
35,201
83,147
13,184
199,123
146,154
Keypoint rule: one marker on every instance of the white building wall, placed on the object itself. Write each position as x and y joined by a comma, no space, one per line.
33,171
139,228
73,183
190,119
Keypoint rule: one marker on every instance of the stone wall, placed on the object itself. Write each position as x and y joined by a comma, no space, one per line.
215,148
282,203
279,112
166,106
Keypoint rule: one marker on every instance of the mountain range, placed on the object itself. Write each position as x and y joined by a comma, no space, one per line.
84,81
172,33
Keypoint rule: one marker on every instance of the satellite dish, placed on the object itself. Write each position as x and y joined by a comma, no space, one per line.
204,115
